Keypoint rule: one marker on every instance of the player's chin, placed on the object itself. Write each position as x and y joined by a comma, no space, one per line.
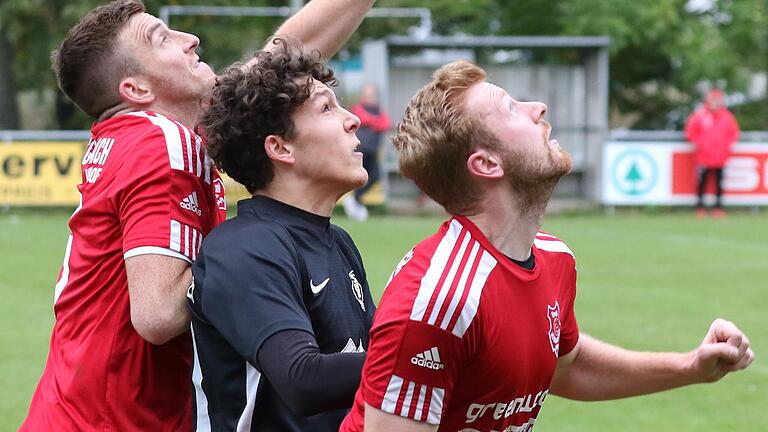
562,162
360,178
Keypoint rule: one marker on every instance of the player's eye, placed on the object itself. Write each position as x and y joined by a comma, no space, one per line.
326,107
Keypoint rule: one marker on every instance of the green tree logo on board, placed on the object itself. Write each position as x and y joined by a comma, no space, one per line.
634,172
633,177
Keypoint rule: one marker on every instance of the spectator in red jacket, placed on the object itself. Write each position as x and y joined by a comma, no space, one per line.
373,123
712,129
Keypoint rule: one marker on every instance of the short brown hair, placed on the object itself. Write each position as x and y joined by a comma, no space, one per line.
436,136
88,64
251,102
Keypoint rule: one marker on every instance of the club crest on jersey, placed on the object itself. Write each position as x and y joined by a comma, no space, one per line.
400,265
357,289
553,315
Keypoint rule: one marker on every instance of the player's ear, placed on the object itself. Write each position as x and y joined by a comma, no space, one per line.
278,149
136,91
486,164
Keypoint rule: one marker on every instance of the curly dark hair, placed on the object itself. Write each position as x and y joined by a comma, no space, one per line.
251,102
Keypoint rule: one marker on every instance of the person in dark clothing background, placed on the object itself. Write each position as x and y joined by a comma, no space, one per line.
374,121
280,303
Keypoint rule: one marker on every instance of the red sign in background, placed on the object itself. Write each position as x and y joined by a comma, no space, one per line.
746,174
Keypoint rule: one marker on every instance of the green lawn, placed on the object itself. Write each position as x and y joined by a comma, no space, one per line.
646,281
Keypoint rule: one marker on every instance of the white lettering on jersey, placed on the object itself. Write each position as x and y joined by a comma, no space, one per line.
501,410
97,151
96,154
190,203
218,190
525,427
92,174
357,289
429,359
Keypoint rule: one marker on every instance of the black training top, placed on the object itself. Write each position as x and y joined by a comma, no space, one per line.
272,268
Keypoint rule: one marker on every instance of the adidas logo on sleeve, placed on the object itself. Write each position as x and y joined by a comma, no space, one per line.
429,359
190,203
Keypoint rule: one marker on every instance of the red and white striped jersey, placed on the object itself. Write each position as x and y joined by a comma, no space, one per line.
467,339
147,188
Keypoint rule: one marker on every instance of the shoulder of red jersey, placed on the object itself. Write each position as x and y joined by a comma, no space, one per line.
446,273
164,137
547,242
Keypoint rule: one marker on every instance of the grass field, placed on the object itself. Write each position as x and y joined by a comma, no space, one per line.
646,281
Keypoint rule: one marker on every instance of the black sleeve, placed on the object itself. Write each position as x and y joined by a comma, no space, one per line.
248,286
306,380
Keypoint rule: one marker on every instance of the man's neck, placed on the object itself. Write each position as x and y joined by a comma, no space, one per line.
188,114
510,221
303,194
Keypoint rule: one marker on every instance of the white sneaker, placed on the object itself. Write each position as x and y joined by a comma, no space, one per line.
362,212
353,209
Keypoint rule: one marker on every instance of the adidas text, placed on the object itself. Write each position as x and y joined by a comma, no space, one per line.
429,359
190,203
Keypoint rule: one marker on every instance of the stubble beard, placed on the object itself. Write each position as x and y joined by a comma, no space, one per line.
187,101
532,182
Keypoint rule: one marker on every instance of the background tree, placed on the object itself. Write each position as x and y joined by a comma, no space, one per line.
33,29
663,53
9,110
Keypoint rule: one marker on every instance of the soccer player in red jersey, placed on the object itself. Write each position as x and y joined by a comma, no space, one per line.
120,352
476,326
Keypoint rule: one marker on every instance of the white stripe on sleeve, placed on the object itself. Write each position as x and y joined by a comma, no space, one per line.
436,406
154,250
208,168
405,410
188,142
552,246
435,270
443,293
198,152
389,401
487,264
172,140
460,287
186,240
175,242
193,251
417,415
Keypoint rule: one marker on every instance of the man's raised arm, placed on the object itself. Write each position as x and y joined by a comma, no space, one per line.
325,25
